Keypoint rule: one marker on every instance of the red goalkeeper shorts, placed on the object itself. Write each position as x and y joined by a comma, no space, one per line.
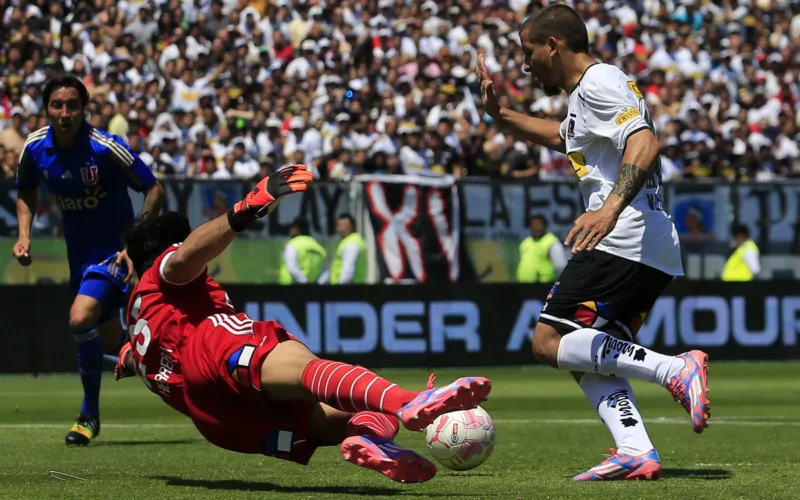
222,373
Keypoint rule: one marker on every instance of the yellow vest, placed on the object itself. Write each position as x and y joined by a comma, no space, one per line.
310,256
534,260
360,275
736,268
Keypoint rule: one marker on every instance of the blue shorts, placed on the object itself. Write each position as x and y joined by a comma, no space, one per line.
104,282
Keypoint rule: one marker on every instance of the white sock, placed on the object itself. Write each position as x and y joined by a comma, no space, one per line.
614,401
592,351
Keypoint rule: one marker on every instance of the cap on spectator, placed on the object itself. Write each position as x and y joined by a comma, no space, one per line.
385,33
385,4
707,99
16,110
308,45
273,122
431,6
331,80
296,123
775,58
323,43
671,142
342,117
459,72
315,11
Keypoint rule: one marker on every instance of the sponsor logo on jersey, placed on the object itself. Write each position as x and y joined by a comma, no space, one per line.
88,202
635,90
627,116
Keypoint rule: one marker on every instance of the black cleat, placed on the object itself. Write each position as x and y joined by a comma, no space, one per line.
83,430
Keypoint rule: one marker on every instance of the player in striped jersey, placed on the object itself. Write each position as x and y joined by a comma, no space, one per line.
88,172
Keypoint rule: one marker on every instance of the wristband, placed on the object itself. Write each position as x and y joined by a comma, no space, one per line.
238,221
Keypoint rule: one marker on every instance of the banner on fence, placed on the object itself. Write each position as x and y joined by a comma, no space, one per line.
492,217
417,230
441,325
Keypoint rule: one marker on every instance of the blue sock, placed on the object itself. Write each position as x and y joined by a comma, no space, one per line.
90,365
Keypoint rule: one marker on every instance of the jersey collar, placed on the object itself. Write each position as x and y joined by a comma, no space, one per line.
49,140
581,78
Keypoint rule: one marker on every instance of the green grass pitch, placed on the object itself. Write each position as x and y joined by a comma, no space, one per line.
546,433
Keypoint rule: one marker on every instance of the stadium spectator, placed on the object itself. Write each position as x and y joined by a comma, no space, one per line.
352,87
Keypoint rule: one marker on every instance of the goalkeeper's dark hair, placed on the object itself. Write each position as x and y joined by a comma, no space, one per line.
559,21
65,81
150,235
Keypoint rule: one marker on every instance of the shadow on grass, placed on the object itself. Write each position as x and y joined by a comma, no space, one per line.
703,474
263,486
145,443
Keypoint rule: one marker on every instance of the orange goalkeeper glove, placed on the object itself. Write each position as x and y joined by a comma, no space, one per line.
263,199
122,369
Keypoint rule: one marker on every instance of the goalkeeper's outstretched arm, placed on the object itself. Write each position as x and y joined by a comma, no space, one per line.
209,240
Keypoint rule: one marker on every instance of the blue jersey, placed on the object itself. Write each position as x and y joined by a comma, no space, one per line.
89,182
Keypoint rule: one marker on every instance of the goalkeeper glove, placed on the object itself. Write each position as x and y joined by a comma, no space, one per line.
122,369
263,199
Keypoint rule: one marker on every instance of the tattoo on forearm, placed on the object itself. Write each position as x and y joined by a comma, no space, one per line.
629,182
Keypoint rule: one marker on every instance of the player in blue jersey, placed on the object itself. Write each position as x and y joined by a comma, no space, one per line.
88,171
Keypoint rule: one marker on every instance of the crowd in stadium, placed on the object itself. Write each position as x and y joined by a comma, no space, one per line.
229,89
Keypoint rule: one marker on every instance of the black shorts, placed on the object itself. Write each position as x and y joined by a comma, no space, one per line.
599,290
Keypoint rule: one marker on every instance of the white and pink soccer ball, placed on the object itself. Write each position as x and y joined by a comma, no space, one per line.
461,440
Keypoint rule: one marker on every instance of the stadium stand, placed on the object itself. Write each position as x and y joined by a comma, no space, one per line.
231,89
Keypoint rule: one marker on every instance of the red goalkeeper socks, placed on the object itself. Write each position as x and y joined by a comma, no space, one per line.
353,388
371,423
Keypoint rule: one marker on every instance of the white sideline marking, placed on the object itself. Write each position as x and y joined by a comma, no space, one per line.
746,464
113,426
575,421
658,420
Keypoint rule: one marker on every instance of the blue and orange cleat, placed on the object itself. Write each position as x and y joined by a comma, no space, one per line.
389,458
690,388
464,394
620,466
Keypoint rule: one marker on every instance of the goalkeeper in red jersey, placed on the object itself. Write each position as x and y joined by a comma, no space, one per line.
250,386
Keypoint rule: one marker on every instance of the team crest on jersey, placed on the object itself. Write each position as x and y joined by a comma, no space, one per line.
89,175
571,128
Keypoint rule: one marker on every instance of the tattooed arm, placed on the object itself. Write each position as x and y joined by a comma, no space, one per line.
638,160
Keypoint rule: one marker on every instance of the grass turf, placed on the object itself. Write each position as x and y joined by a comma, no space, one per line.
545,434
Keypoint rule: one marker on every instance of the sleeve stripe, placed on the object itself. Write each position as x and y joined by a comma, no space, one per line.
118,151
33,137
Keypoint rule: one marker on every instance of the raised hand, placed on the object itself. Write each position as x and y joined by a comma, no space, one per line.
487,89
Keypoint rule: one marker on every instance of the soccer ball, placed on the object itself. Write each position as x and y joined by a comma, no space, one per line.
461,440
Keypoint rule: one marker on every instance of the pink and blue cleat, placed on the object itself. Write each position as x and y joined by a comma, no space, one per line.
389,458
464,394
621,466
690,388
